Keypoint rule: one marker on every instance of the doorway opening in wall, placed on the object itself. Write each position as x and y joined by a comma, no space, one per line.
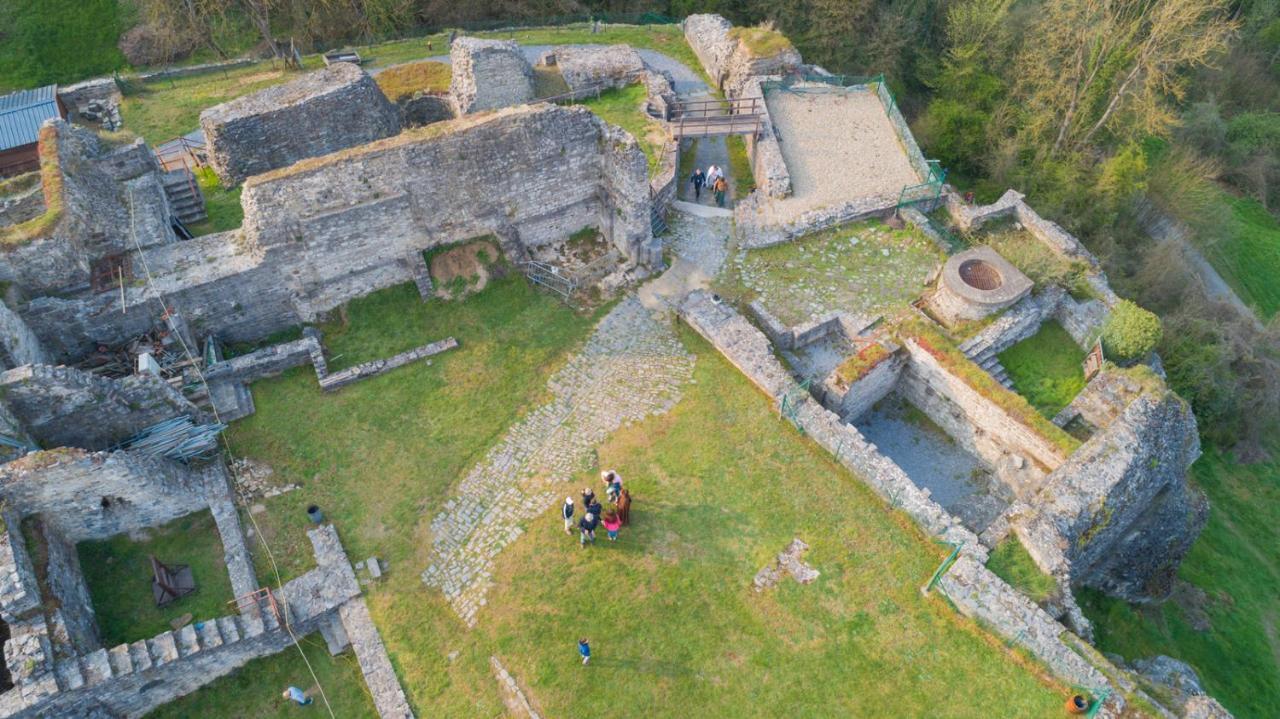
6,680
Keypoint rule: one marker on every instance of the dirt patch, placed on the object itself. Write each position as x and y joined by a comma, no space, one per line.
463,270
1193,601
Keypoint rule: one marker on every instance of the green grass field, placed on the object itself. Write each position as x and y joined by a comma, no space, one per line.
1249,258
721,486
118,572
1045,368
623,108
1235,564
221,204
740,167
1011,562
254,691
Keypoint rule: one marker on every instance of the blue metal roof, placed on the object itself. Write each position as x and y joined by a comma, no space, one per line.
22,113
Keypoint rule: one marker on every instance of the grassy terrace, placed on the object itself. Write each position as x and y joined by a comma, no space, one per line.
402,81
1250,260
721,485
118,572
623,108
1037,261
221,204
165,109
1045,368
864,268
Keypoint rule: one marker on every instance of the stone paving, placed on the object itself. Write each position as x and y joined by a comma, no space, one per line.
632,366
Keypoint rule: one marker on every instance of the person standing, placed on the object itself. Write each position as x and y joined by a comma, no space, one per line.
697,179
584,649
713,174
612,524
588,498
612,485
624,506
721,187
567,513
587,528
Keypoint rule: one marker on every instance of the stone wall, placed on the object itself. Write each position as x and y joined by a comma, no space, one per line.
425,109
588,67
1119,514
19,590
98,97
18,344
19,207
903,131
852,401
729,62
130,680
328,229
768,167
974,421
318,113
488,74
93,495
73,625
64,406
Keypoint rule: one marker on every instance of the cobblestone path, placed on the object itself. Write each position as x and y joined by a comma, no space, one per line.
632,366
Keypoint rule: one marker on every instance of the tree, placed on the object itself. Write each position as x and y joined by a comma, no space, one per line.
1094,65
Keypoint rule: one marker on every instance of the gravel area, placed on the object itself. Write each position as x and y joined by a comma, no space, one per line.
839,146
957,480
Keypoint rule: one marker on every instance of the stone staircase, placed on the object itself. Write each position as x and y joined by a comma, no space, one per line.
984,355
185,198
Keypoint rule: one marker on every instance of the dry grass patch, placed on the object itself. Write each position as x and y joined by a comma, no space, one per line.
404,81
761,40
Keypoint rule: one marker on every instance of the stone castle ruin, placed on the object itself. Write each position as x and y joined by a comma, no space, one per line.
341,198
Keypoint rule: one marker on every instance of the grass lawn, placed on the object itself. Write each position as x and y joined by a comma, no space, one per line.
118,572
221,204
721,486
624,108
864,268
1011,562
1250,259
1033,257
254,690
1045,368
402,81
740,167
165,109
1236,564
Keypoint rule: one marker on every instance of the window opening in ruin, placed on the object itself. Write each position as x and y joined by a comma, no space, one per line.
108,273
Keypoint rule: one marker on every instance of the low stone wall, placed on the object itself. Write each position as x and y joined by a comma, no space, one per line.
330,382
96,100
754,229
177,71
266,362
768,167
853,401
64,406
318,113
589,67
426,109
73,623
19,589
1018,323
984,426
903,131
488,74
1082,319
18,344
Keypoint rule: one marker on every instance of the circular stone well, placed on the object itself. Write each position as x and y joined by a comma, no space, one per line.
976,283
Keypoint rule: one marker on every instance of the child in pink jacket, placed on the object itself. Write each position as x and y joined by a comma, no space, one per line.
612,523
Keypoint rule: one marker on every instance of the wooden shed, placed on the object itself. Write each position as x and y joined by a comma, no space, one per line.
21,115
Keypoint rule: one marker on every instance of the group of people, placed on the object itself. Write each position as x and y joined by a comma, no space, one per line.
713,179
594,514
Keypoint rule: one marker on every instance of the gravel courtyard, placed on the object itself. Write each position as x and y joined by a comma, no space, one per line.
838,145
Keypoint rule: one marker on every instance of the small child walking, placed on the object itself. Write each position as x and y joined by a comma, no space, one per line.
584,649
612,523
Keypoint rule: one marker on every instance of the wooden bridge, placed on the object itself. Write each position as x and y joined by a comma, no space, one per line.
708,118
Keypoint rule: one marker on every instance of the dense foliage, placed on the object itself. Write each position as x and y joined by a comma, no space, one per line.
1130,333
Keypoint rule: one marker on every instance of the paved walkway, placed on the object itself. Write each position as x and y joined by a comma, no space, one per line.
632,366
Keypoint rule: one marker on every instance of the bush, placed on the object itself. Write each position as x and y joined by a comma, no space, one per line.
1130,333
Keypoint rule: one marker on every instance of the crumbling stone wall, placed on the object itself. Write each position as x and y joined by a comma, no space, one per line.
93,495
1119,514
18,344
729,62
321,112
73,625
488,74
64,406
342,225
21,206
604,66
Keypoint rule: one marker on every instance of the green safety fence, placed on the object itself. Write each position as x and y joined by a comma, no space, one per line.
930,189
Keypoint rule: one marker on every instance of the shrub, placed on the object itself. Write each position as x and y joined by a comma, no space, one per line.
1130,333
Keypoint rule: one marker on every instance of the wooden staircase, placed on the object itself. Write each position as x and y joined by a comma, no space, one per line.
185,199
